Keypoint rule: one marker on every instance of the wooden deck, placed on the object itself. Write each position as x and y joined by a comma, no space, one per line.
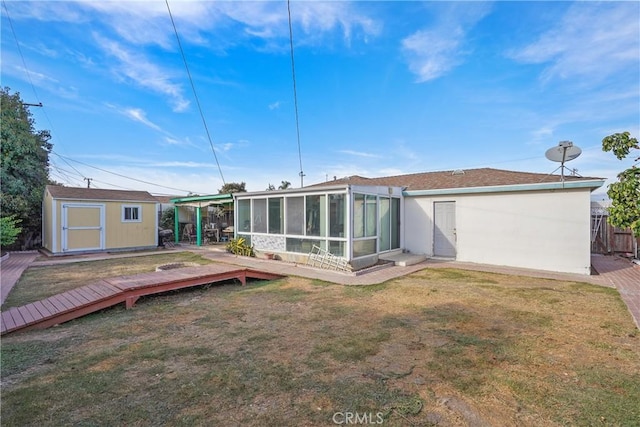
108,292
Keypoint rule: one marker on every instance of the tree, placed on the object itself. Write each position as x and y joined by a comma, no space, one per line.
9,230
25,164
167,219
233,187
284,185
624,194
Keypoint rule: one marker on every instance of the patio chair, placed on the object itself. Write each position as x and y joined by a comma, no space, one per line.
189,234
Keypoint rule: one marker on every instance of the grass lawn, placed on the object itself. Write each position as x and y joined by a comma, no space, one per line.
438,347
38,283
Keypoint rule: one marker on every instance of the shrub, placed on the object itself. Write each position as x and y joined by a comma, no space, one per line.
9,230
239,247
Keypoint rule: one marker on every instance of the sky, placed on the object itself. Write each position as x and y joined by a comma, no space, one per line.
382,88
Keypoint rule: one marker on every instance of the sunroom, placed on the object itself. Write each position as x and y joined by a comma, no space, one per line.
354,223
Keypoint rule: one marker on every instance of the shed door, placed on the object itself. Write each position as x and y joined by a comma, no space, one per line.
444,229
82,227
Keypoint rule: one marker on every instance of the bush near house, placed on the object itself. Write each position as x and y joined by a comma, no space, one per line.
239,246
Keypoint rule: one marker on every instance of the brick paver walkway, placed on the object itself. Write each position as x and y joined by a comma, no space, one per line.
11,269
624,276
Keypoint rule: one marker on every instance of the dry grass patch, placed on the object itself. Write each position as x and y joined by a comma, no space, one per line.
439,347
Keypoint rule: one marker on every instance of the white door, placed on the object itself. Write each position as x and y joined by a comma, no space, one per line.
82,227
444,229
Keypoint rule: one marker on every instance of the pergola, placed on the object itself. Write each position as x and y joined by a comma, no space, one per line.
198,202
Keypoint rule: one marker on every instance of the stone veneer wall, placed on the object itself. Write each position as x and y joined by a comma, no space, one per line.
269,243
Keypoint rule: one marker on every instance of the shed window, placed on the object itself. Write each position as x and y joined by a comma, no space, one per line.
131,213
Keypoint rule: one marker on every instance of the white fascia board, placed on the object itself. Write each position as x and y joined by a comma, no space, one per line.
379,190
288,191
567,185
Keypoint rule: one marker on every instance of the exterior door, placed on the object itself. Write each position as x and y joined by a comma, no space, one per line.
82,227
444,229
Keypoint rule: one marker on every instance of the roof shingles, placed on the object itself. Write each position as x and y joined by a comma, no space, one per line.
76,193
483,177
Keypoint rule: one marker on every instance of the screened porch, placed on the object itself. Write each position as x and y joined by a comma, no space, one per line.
352,222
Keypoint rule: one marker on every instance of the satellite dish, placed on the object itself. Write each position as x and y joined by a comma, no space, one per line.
564,152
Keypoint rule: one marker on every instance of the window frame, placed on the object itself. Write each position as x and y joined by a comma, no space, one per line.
123,213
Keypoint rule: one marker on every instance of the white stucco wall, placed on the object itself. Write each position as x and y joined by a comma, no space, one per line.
546,230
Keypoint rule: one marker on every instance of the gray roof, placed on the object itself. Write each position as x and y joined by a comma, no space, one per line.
76,193
484,177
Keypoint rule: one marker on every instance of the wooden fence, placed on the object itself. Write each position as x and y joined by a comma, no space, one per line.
607,239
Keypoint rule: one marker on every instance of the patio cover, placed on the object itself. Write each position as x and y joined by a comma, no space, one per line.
202,201
199,202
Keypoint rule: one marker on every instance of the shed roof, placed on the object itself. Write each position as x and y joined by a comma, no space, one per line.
483,177
77,193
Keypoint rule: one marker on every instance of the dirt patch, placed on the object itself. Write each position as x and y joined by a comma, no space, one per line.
175,265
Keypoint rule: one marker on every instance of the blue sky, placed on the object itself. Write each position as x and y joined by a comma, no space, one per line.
383,88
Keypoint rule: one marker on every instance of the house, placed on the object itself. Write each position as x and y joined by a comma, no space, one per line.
486,215
89,219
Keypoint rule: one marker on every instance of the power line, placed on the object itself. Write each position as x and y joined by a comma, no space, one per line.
120,175
21,55
61,173
35,92
195,94
295,94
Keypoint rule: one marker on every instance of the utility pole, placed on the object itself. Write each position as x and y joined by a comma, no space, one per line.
88,182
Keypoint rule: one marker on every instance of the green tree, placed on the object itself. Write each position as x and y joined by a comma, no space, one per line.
167,219
233,187
624,194
9,230
25,163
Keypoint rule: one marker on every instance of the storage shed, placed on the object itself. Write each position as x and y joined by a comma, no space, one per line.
89,220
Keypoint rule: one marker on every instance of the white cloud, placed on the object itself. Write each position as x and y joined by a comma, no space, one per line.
359,153
138,115
592,39
148,22
432,52
275,105
138,69
224,147
321,17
